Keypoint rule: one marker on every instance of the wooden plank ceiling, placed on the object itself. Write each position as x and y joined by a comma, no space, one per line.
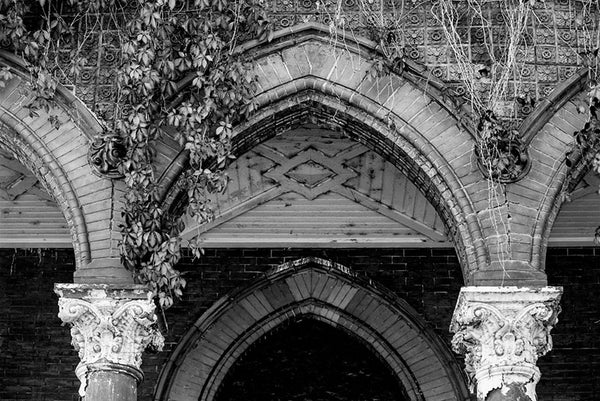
29,217
580,216
308,188
311,187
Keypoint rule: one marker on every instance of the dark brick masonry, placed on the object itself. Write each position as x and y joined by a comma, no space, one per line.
571,371
309,360
37,361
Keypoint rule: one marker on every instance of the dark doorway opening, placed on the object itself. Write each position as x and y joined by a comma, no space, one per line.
307,360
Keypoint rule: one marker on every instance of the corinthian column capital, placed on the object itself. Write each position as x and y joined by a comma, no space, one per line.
502,331
110,326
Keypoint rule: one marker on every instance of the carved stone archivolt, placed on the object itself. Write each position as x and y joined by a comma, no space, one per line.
502,331
110,326
106,153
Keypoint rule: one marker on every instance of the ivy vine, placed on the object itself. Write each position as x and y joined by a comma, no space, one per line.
167,43
179,68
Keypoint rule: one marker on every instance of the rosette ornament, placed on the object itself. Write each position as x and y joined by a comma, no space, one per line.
106,153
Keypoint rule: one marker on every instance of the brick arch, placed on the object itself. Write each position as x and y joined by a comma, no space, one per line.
410,126
548,132
325,291
53,155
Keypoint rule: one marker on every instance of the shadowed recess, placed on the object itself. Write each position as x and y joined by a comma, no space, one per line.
309,360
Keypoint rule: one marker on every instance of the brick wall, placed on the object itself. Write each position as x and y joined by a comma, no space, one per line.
571,371
428,279
37,361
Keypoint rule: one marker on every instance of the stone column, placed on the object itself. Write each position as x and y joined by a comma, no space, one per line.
502,331
111,326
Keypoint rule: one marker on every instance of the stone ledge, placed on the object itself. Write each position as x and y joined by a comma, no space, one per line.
501,295
102,291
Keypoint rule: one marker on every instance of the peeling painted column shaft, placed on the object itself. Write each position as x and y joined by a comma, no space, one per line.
111,326
502,331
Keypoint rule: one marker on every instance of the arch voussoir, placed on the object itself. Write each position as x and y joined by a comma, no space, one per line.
549,132
31,152
408,116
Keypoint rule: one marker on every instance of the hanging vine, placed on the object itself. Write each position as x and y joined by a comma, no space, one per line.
494,80
179,68
166,44
492,84
34,41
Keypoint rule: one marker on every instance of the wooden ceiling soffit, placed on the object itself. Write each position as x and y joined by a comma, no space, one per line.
29,216
579,217
300,188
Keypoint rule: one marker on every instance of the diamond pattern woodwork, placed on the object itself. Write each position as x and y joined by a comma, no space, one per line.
310,174
342,193
16,180
310,157
311,187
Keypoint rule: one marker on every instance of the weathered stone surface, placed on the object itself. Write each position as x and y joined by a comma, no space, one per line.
110,328
502,331
510,392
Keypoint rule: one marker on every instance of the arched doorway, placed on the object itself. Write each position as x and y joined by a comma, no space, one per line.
322,291
306,359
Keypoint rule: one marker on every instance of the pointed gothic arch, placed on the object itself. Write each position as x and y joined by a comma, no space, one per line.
404,118
321,290
548,131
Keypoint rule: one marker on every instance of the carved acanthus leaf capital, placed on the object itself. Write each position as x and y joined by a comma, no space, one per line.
502,331
109,324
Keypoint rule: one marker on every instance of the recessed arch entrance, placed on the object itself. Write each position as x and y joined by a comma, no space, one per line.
306,359
329,293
